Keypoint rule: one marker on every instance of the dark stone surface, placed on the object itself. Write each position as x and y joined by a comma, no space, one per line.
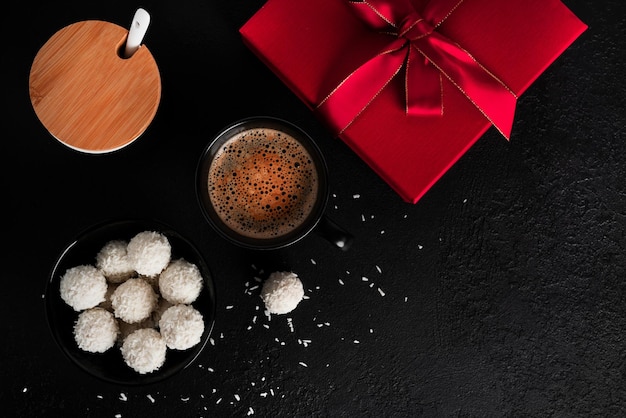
504,291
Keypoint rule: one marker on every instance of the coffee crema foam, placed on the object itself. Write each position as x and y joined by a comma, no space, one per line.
263,183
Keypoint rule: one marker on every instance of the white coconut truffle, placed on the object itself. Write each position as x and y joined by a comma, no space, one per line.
113,260
95,330
133,301
180,282
149,252
83,287
282,292
144,350
181,326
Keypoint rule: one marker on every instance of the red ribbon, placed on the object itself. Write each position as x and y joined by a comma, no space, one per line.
426,56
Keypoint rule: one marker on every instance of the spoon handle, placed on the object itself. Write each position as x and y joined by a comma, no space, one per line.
137,31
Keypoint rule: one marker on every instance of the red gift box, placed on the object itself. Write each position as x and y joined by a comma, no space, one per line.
492,51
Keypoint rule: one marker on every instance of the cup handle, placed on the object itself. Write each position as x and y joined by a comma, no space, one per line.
334,233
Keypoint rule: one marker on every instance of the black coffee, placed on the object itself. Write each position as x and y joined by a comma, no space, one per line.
263,183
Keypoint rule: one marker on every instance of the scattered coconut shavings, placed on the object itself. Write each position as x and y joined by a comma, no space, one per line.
379,269
290,323
123,397
250,411
211,340
150,398
229,307
24,390
185,399
406,299
382,232
364,278
313,262
419,247
303,364
381,291
218,401
362,218
237,397
356,341
356,196
341,282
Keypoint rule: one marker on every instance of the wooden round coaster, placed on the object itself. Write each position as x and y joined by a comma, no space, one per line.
86,94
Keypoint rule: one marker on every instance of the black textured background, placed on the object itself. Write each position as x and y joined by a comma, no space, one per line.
502,292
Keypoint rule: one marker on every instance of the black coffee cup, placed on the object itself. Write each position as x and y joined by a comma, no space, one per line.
262,183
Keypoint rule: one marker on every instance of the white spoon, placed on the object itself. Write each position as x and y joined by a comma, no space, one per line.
137,31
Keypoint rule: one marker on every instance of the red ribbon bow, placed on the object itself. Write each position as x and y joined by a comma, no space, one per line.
425,55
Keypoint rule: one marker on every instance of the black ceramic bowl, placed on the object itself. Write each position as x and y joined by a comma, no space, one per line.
110,366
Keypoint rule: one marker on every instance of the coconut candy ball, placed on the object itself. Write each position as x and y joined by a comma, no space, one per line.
281,292
181,326
95,330
149,252
83,287
144,350
112,259
180,282
133,301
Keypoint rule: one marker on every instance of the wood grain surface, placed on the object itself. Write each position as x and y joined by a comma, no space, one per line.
88,96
